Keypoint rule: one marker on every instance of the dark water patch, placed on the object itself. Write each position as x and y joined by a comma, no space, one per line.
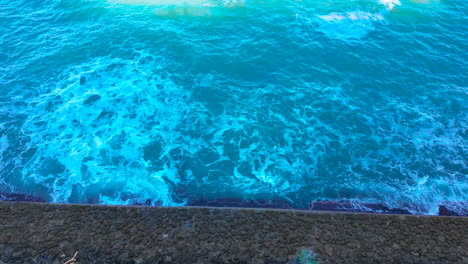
453,209
19,197
93,98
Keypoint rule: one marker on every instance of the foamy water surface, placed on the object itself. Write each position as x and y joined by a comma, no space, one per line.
122,101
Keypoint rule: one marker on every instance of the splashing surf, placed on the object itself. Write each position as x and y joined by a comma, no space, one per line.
297,102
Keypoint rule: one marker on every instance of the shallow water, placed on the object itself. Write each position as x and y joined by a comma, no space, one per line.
122,101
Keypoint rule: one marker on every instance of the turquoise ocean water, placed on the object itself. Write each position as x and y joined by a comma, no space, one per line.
121,101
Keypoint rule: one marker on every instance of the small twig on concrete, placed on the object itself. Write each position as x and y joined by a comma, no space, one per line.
72,260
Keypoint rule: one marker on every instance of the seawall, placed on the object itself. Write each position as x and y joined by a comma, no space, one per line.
52,233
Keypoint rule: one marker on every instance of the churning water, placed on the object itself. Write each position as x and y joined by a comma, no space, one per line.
122,101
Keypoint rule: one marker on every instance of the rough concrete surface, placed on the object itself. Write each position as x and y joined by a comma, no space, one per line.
52,233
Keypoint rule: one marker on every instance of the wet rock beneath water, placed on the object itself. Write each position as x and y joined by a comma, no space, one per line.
233,202
453,209
347,206
443,210
19,197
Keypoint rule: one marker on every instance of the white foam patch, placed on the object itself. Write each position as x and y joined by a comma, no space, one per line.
348,25
353,16
390,4
254,147
119,131
124,130
94,125
4,144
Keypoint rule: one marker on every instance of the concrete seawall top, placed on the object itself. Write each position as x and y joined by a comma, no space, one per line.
53,233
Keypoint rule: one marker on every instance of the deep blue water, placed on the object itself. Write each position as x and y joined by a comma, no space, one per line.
171,100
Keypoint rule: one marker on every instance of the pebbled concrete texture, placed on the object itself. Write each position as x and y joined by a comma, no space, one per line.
52,233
